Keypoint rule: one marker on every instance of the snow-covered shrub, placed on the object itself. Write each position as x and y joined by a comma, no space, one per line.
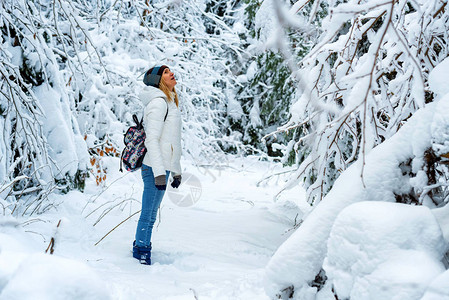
297,262
362,81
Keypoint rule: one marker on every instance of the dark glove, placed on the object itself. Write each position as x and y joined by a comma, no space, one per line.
176,181
159,181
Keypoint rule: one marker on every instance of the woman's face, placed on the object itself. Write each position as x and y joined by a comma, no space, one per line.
169,78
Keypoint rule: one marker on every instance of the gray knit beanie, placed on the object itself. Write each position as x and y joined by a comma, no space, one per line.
153,76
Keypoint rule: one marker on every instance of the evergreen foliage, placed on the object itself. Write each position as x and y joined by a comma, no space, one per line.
268,88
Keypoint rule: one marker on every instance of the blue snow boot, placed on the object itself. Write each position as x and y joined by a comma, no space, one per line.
136,251
143,254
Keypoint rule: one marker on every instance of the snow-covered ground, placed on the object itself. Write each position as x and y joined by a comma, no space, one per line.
216,248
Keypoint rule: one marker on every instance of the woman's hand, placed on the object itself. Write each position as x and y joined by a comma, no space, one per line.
176,181
160,183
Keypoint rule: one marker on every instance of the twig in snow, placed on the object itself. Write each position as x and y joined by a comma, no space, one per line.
105,189
296,225
43,237
195,295
108,210
117,226
26,223
428,188
52,241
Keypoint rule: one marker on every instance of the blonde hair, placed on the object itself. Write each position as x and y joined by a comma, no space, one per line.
167,92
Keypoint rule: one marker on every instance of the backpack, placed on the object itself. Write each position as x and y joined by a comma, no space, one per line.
135,150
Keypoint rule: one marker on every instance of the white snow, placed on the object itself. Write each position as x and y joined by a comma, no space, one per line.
58,130
385,250
404,276
265,22
41,276
214,249
254,114
234,109
251,72
438,289
438,78
440,123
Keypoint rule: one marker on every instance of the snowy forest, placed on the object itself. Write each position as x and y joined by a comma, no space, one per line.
315,149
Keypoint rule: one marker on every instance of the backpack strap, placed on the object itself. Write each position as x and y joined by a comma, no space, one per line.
121,161
138,124
166,114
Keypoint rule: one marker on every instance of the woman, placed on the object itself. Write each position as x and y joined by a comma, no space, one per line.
162,124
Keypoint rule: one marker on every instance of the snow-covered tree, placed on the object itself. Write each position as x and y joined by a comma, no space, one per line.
266,87
41,145
71,73
365,77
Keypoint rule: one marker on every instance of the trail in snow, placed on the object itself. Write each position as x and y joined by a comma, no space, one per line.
214,249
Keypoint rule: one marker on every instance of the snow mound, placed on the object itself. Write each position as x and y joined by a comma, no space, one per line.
404,276
438,78
379,250
440,127
41,276
438,289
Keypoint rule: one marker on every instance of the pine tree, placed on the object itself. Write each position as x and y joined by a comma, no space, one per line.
268,88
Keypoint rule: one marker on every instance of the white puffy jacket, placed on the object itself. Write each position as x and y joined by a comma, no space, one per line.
163,139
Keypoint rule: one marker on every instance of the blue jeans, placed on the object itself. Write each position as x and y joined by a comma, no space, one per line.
151,200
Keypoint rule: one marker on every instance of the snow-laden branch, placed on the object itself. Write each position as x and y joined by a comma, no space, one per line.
362,80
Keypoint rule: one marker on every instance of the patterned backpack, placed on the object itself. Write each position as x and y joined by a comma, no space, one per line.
135,150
